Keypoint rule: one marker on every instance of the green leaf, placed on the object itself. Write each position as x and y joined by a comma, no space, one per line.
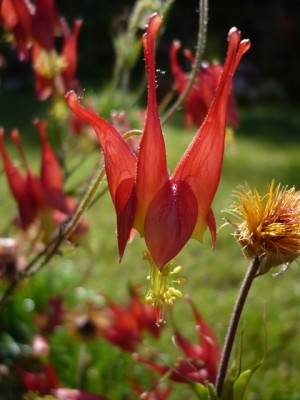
241,383
202,392
206,392
227,392
212,392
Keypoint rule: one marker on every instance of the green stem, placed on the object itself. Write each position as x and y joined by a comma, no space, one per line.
201,40
71,225
234,322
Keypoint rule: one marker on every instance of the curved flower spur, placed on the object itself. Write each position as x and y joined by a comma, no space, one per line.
166,210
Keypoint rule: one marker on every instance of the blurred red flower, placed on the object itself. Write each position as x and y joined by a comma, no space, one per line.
35,27
39,198
202,92
42,380
200,360
122,326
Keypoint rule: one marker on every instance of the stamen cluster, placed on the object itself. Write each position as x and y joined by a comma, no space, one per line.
161,290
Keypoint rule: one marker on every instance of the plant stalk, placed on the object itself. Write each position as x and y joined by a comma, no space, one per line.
234,322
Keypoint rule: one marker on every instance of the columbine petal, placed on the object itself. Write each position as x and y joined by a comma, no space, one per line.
208,342
16,17
201,164
195,108
170,221
33,183
19,187
152,173
180,77
45,23
120,164
69,53
159,204
202,92
51,174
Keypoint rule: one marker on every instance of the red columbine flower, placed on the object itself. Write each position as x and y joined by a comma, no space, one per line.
38,197
30,23
41,380
200,360
122,326
201,95
56,71
37,26
166,210
15,16
20,187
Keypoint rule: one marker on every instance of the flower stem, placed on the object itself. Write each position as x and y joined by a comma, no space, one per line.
234,322
201,41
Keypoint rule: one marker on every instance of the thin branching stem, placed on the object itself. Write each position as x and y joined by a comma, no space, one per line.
201,41
234,322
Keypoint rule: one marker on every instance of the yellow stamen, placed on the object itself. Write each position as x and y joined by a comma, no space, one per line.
49,63
161,290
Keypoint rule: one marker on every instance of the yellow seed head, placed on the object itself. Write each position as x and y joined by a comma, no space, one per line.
270,225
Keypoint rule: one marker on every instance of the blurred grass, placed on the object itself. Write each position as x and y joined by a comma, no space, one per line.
266,146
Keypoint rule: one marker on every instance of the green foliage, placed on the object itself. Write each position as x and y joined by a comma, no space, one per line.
206,392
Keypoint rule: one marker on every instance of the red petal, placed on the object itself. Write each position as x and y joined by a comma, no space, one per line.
179,75
204,327
120,162
120,166
15,16
190,349
125,209
34,184
70,55
51,174
19,187
201,164
152,173
208,341
45,23
170,221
